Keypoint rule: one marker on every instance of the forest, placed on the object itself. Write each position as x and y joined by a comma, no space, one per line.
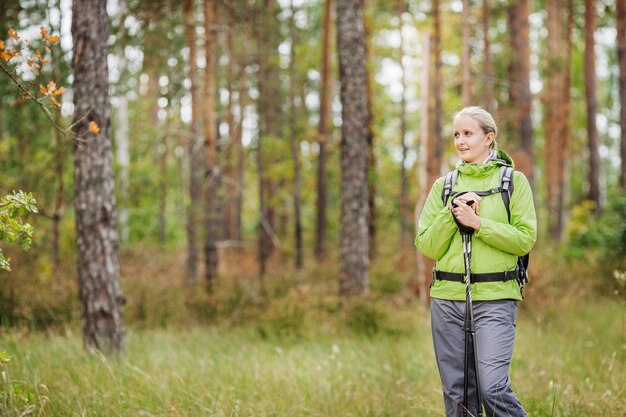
210,207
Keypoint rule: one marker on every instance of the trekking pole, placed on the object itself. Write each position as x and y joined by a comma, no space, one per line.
469,326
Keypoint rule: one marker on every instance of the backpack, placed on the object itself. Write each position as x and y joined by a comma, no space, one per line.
506,190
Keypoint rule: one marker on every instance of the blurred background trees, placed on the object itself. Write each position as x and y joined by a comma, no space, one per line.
226,128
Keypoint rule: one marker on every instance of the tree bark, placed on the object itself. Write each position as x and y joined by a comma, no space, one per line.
371,156
194,145
435,146
210,139
490,105
295,142
404,182
621,59
94,194
424,265
556,97
325,116
269,110
354,239
466,92
593,174
521,98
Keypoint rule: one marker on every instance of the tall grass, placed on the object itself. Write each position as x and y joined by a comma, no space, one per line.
566,364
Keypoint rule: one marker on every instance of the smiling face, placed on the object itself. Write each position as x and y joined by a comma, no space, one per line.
471,143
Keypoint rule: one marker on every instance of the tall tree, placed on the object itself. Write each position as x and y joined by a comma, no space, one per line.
371,156
593,174
269,111
194,144
424,265
324,122
210,139
556,98
94,196
621,59
354,239
519,91
404,182
295,142
489,100
466,92
435,144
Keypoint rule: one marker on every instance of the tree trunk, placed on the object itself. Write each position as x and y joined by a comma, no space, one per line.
490,105
94,194
621,59
424,265
295,142
557,112
228,163
269,110
466,92
210,138
243,103
435,146
354,149
404,182
371,156
592,104
521,99
325,116
194,145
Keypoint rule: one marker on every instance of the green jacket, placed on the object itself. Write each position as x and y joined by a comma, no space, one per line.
495,247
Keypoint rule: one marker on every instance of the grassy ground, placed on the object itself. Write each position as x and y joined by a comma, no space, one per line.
569,362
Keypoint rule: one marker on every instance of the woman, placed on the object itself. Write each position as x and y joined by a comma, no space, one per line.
496,244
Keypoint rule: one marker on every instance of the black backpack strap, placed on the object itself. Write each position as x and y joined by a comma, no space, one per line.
448,184
506,185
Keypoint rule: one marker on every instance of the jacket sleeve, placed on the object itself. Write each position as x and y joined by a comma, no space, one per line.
436,225
519,236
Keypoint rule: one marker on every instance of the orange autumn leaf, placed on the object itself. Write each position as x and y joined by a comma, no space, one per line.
52,39
58,91
1,44
55,101
43,90
93,126
44,31
13,34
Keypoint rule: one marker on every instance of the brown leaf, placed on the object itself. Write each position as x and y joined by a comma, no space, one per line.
93,126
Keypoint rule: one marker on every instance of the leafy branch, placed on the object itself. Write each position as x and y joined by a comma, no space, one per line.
12,229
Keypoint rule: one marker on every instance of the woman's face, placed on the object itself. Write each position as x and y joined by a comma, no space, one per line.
470,142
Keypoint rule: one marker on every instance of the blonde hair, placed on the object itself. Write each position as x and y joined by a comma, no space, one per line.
484,119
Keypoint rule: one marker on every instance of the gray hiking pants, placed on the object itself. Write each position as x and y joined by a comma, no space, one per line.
495,336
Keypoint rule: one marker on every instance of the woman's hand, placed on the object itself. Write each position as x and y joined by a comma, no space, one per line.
464,198
466,214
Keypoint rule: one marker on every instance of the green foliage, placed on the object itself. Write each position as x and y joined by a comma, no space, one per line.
12,229
600,239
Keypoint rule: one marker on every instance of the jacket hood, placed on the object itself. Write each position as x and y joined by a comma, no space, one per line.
498,159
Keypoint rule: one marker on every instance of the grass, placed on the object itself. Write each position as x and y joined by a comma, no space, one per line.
566,363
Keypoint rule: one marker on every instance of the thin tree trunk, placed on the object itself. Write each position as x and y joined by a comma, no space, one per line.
404,183
521,98
354,239
295,143
325,115
228,163
466,92
621,59
557,112
242,102
592,104
423,263
371,156
163,174
490,105
94,193
194,145
435,150
210,138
